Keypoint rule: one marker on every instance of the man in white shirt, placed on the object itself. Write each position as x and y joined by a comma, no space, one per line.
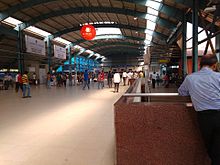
130,76
116,80
124,76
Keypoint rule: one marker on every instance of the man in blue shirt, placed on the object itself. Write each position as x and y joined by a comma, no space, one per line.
204,89
86,79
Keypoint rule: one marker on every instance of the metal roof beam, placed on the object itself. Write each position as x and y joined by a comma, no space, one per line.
104,37
88,10
116,44
14,9
7,31
139,29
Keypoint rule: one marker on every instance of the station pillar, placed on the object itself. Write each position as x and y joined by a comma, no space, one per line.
195,35
184,57
20,54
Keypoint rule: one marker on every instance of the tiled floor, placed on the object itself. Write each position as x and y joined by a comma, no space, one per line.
58,127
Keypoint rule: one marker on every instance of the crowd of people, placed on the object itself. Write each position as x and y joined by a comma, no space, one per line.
113,79
164,79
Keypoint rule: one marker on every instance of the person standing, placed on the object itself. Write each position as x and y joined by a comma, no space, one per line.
48,80
141,74
34,78
18,81
130,77
63,77
109,77
124,76
116,80
26,85
154,79
101,77
204,89
86,79
158,80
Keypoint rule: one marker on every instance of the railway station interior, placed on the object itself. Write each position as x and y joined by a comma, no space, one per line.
62,60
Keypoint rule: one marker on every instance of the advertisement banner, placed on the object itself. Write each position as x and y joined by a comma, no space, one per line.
59,52
34,45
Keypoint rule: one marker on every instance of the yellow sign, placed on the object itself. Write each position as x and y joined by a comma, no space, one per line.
164,61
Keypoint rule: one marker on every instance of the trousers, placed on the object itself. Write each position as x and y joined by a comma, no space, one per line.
209,123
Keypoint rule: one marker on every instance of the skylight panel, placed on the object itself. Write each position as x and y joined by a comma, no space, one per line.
77,47
38,31
148,37
12,21
150,32
106,31
62,40
147,42
89,51
151,25
154,4
151,17
97,55
152,11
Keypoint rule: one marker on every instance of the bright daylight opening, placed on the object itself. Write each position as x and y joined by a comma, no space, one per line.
151,16
108,31
89,51
38,31
61,40
201,36
12,21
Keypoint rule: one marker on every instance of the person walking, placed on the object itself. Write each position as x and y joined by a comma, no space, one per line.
86,80
124,76
26,85
204,89
116,80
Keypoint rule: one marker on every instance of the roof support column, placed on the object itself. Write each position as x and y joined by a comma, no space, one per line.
184,57
75,70
49,52
70,64
20,54
217,46
195,35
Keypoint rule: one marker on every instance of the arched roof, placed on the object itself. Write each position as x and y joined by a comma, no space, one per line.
64,18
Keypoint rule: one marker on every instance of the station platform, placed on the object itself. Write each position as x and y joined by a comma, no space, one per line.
58,126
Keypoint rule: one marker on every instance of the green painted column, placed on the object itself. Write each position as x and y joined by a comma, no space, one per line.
75,70
20,55
195,36
70,64
49,52
184,57
217,46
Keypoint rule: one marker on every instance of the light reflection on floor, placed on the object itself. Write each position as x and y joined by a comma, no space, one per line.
58,127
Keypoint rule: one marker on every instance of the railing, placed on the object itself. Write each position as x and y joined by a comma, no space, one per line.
134,94
149,94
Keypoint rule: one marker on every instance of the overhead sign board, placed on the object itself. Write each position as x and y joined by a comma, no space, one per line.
34,45
59,52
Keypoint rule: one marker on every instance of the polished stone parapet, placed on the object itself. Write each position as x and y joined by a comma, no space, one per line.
157,133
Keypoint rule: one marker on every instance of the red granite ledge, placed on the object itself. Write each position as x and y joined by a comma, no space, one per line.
158,134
